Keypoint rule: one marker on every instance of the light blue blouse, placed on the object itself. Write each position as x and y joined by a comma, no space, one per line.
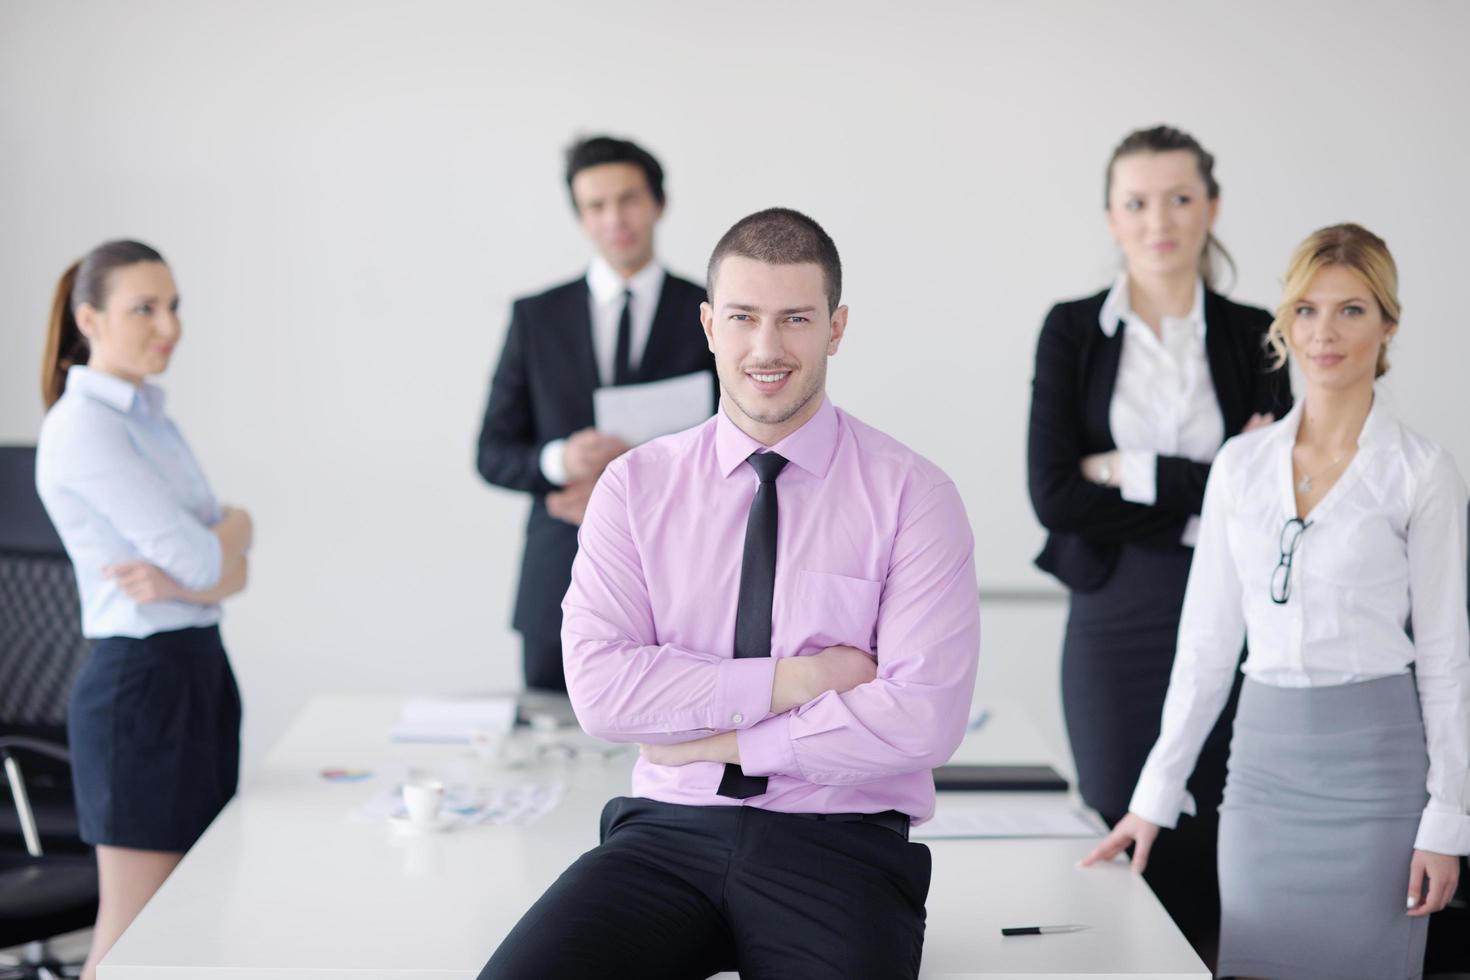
119,484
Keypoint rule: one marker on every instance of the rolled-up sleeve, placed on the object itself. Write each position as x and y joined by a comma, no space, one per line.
109,476
912,716
623,684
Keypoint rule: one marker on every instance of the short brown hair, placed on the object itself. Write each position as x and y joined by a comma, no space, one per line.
780,236
594,151
1352,247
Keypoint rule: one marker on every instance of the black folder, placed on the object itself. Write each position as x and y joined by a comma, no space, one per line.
1000,779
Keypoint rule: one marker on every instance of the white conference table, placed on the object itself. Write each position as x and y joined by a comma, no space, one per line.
289,883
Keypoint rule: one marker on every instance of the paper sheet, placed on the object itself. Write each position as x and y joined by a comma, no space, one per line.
512,806
1007,822
638,413
452,719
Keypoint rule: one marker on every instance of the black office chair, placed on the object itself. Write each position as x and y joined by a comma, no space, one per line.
48,877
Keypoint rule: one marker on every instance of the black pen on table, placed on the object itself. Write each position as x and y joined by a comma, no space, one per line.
1039,930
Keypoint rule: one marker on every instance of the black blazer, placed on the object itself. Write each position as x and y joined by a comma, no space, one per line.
1071,395
542,390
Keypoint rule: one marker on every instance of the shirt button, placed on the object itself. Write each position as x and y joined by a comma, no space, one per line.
737,718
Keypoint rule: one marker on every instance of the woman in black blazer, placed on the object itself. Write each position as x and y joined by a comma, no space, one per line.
1135,390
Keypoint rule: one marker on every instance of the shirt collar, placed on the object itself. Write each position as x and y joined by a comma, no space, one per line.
811,447
1118,307
1380,428
114,391
606,285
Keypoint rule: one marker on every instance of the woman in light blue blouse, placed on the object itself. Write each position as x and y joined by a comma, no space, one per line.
154,718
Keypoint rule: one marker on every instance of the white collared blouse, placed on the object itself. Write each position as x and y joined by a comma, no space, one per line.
119,483
1164,401
1384,546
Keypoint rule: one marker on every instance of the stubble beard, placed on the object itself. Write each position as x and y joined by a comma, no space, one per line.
777,417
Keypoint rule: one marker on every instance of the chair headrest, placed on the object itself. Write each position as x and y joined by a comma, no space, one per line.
24,526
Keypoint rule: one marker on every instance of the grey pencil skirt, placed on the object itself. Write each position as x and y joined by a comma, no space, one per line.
1322,803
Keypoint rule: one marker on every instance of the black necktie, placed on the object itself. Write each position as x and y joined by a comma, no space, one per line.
623,355
757,587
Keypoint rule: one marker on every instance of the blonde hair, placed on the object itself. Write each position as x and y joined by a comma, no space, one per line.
1351,247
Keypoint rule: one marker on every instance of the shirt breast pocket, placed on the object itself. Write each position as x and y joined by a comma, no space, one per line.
1255,545
831,610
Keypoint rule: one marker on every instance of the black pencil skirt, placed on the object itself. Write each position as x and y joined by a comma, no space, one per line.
1116,659
154,726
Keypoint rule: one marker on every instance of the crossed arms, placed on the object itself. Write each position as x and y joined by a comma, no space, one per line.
833,717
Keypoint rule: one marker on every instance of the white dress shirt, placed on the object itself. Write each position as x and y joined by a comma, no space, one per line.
119,483
1164,401
1385,544
605,299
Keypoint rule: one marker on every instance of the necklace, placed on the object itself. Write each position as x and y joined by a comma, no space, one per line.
1304,485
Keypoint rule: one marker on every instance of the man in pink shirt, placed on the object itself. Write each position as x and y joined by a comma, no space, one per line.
780,605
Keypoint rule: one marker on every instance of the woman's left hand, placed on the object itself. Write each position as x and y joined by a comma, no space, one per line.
1104,469
144,582
1443,874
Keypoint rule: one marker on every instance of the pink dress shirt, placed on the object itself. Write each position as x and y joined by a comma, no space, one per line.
874,551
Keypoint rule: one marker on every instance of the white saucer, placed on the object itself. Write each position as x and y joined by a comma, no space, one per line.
406,826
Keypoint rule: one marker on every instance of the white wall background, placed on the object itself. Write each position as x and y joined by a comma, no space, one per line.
351,193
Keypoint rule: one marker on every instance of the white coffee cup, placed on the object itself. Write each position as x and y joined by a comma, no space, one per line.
422,800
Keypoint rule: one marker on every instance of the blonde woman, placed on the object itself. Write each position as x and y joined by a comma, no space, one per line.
1322,537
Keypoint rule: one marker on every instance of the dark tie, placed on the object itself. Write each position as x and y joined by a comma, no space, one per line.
623,356
757,587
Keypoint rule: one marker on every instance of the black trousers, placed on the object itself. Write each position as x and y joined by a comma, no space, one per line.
1116,660
683,892
541,663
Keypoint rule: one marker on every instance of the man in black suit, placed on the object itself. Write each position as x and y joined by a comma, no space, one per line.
626,321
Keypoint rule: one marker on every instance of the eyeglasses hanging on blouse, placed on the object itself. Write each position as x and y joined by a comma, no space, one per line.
1291,539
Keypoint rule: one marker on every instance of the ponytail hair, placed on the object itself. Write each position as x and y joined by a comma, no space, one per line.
65,344
86,281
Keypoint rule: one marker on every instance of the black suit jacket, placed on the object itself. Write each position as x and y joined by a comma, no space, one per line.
1071,395
542,390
